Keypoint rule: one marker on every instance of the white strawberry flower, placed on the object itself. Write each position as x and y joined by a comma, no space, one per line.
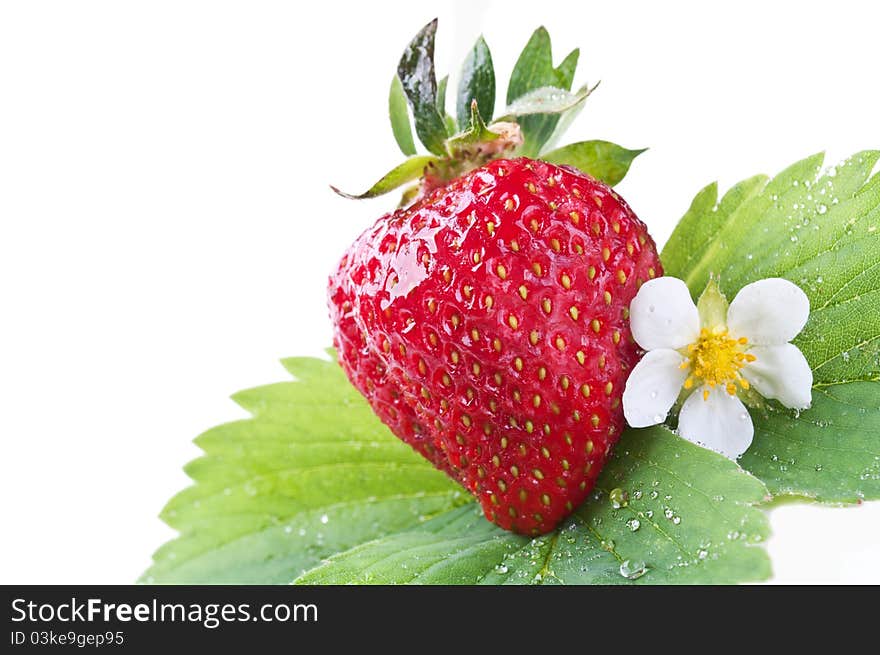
714,355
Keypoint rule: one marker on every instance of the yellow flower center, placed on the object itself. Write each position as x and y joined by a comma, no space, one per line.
716,359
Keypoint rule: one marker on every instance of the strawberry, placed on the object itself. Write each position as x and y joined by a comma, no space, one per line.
487,322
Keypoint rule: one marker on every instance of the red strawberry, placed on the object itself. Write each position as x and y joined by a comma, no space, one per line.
487,323
487,327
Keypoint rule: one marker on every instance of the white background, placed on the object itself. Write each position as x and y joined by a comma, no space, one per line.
167,226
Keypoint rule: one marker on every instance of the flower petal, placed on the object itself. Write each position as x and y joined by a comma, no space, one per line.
652,387
769,312
663,315
782,373
720,423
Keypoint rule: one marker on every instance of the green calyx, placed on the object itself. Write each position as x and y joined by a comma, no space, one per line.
540,106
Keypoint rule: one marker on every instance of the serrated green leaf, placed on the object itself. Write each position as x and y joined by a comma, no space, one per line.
412,169
313,472
416,73
314,485
603,160
398,112
534,69
830,452
477,83
822,232
689,518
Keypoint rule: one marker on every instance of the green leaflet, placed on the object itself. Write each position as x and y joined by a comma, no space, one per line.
533,70
603,160
477,83
409,170
830,452
416,73
314,487
546,100
822,232
399,115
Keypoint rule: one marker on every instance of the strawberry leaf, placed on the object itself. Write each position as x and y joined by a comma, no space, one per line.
417,77
398,112
477,83
312,472
546,100
411,169
533,70
313,487
830,452
603,160
821,230
565,71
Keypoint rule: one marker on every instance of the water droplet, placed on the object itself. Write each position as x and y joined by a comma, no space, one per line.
324,519
288,529
634,524
818,467
668,513
676,520
821,209
633,569
607,544
619,498
501,568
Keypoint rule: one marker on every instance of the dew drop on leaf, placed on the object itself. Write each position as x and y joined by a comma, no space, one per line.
619,498
633,569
